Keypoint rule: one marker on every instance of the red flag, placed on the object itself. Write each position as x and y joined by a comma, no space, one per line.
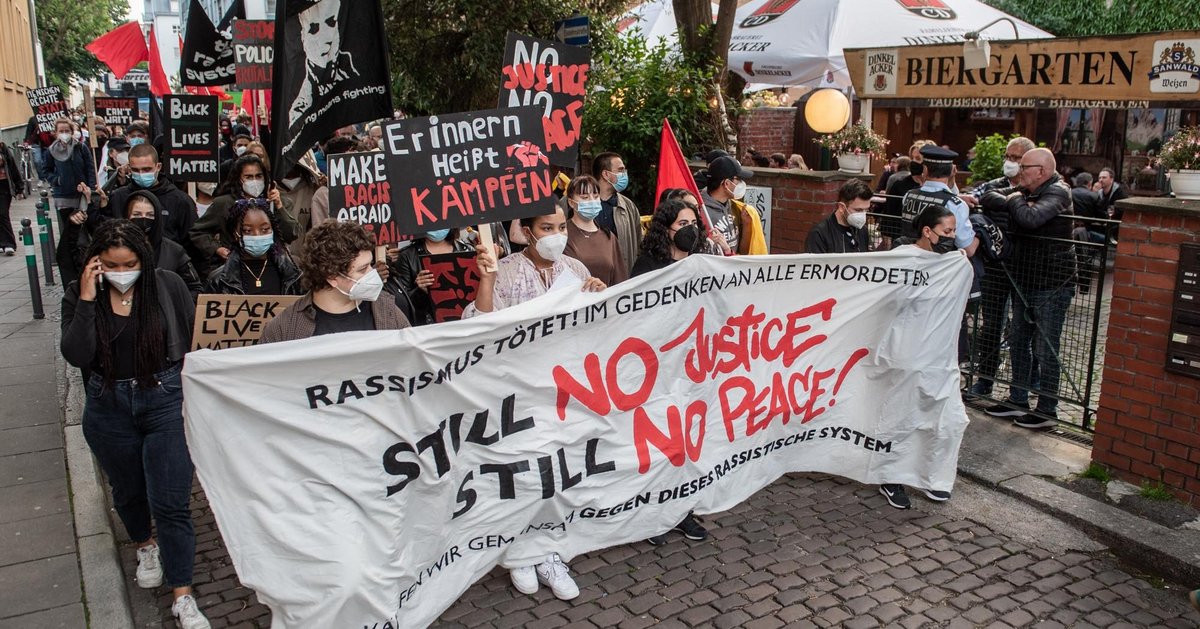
159,86
673,171
121,48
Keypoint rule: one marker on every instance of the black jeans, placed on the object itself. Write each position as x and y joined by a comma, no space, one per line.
67,252
995,288
7,237
137,436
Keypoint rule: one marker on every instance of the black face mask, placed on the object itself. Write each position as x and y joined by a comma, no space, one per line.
144,224
944,245
685,238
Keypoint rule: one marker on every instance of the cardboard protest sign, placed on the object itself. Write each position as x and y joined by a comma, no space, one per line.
48,105
552,76
117,111
457,170
569,423
359,192
455,282
254,51
191,137
224,321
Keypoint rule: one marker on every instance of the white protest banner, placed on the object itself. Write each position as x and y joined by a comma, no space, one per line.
367,479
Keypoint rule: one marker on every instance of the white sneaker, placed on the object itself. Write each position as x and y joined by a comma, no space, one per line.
149,570
554,573
188,614
524,579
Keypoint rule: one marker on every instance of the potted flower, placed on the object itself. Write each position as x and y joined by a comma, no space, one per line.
1181,156
854,146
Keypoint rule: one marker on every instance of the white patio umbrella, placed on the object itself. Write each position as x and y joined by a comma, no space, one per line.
800,42
655,20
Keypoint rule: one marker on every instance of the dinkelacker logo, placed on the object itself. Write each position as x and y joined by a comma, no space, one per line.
768,12
932,9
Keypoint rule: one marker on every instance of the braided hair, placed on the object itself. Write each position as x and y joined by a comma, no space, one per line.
237,213
146,318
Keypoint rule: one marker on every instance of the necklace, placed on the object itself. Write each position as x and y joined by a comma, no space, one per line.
258,276
127,301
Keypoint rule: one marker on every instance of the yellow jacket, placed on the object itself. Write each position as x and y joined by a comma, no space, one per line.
753,241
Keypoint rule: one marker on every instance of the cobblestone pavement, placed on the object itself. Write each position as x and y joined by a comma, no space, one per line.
807,551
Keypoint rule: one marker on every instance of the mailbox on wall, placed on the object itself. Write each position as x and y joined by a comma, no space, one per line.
1183,345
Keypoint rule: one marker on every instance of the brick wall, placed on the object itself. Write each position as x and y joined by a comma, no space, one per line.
1148,425
767,130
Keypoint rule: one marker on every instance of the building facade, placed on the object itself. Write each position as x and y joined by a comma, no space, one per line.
18,66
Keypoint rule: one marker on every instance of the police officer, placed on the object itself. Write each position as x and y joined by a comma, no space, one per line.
937,191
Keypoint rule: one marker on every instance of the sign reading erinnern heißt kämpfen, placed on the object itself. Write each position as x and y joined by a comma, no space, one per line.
191,137
1102,72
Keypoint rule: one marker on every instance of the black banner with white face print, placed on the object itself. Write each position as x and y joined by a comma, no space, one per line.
330,71
207,57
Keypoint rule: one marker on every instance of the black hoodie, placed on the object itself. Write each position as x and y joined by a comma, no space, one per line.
178,210
170,254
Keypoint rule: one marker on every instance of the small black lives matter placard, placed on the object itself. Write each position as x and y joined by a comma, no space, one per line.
191,137
457,170
254,52
117,111
48,105
552,76
359,192
455,282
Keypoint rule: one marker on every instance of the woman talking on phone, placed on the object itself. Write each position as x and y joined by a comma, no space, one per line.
127,325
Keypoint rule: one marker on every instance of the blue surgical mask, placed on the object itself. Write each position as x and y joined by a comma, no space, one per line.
258,245
588,209
622,182
144,180
136,141
437,235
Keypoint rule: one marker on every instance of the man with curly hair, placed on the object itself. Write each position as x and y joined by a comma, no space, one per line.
338,273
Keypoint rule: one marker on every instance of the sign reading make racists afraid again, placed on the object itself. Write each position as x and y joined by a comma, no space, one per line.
367,479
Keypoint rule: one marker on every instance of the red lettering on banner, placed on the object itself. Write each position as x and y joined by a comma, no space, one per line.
677,443
368,194
559,135
567,80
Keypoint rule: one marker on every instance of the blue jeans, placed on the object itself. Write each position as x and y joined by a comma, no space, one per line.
137,436
1036,331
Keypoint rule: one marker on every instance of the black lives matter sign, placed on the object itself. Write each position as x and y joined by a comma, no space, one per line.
458,170
552,76
254,53
117,111
48,105
191,137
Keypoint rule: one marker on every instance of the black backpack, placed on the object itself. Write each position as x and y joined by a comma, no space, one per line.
994,244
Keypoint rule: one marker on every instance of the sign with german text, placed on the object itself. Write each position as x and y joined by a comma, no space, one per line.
1112,72
224,321
552,76
457,170
409,463
191,137
455,282
48,105
254,52
117,111
359,192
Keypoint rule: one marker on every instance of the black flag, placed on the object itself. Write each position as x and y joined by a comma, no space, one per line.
207,57
330,71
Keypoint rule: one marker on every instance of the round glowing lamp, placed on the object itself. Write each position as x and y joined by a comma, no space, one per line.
827,110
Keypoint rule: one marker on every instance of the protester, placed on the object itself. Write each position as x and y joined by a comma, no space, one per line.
1038,213
138,132
587,241
38,142
320,199
69,169
11,185
116,171
901,170
177,210
225,152
297,188
257,263
845,229
674,233
739,224
248,179
144,209
257,148
128,326
338,276
618,213
412,281
238,148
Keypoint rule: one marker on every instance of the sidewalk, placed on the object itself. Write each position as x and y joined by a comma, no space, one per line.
57,557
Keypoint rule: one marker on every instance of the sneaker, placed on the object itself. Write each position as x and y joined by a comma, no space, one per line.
9,251
149,570
658,540
980,389
937,496
895,496
524,579
1005,409
554,573
1033,421
188,614
691,529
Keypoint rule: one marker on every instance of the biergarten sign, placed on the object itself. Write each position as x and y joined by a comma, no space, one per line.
1114,72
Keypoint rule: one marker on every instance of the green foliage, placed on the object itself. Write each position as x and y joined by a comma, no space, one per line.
989,158
66,26
856,138
633,86
1085,18
445,55
1097,472
1156,491
1182,151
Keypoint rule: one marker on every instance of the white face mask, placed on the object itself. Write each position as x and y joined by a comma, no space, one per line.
122,159
365,288
291,182
1011,169
241,150
254,187
739,190
856,219
65,138
551,247
122,280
